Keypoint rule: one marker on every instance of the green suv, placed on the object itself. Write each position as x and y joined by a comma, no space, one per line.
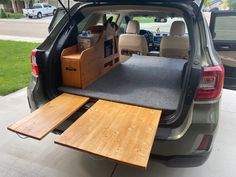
186,84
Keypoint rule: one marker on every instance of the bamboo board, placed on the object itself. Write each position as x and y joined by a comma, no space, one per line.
120,132
43,120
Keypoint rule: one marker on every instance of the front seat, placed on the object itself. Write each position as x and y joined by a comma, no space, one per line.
131,42
176,45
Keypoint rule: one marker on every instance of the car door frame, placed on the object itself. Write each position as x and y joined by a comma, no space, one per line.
50,9
47,10
55,19
225,45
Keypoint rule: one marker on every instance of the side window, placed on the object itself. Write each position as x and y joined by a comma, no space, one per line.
123,25
158,24
45,5
37,6
115,17
106,17
56,18
82,24
225,28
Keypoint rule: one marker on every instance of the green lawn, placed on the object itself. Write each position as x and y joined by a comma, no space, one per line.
148,19
15,69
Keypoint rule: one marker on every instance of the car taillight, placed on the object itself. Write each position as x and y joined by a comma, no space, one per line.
211,83
34,66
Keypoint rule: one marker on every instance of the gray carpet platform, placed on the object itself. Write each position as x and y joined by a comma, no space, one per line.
146,81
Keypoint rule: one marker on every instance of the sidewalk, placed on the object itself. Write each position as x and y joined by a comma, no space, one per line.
20,38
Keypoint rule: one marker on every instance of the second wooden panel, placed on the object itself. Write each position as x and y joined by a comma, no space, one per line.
121,132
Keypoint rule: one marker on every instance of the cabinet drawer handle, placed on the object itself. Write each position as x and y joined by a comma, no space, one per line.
70,68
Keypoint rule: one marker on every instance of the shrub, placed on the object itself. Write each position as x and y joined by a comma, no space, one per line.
3,13
14,15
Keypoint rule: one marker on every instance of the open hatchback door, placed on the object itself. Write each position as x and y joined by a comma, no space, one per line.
223,30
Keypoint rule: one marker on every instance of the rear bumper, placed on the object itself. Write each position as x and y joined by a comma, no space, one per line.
29,14
182,160
35,94
192,148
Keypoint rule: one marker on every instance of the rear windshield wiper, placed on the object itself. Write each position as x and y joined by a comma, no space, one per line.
200,7
66,10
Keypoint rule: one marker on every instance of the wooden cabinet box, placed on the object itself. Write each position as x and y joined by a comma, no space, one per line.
82,68
70,66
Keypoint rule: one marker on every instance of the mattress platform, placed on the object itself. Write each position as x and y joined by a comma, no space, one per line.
146,81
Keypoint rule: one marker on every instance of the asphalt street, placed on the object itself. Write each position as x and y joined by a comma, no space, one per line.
36,30
32,158
32,30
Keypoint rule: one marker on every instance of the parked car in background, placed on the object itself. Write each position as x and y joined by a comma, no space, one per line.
39,9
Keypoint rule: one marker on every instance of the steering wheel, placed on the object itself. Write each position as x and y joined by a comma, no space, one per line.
149,38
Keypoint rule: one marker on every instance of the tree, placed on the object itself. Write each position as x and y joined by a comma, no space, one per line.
224,5
4,1
207,3
2,13
232,4
27,3
13,3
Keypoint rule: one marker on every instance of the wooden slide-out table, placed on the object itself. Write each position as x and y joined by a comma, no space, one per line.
43,120
121,132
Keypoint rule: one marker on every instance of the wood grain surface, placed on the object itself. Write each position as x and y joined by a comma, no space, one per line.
82,68
120,132
43,120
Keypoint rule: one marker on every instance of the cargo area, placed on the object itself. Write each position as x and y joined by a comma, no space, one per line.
147,81
95,68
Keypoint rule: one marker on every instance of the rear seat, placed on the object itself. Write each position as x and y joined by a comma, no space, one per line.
131,42
176,45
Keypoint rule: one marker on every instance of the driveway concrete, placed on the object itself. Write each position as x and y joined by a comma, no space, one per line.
32,158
